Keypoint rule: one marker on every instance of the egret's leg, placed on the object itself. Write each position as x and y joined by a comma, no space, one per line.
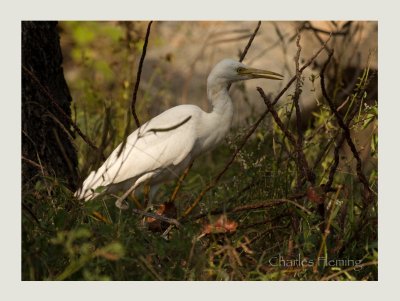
179,182
146,196
136,201
120,203
150,194
153,191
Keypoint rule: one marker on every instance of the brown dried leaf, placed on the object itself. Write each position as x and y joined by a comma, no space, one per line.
221,225
168,209
314,196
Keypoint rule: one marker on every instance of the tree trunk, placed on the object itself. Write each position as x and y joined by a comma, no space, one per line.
47,147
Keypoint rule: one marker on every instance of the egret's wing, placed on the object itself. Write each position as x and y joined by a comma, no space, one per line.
164,141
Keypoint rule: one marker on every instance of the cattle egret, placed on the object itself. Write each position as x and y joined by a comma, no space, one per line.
163,147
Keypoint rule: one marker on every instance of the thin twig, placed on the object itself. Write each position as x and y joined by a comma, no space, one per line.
162,218
322,153
138,75
33,163
278,121
246,49
335,163
297,93
304,169
326,232
135,91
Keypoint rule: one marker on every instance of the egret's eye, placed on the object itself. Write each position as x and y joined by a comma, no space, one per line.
240,69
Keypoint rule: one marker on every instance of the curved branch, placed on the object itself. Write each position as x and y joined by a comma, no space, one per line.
138,75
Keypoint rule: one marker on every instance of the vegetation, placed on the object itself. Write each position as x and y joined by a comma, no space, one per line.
295,204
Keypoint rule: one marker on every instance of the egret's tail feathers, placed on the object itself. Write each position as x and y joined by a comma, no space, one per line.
85,195
90,187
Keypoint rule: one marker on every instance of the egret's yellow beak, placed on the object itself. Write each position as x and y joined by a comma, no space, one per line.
258,73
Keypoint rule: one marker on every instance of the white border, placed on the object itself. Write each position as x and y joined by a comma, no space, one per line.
11,286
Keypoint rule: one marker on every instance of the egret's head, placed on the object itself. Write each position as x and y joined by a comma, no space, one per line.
229,71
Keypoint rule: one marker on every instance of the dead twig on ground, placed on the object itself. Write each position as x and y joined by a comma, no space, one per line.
171,221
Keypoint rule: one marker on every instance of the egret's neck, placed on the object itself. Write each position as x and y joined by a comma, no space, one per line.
218,122
218,95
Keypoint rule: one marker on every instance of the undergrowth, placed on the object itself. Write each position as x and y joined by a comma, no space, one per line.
66,239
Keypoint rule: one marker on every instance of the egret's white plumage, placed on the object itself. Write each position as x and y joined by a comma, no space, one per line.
164,146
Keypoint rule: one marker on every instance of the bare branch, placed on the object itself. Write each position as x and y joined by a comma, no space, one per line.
305,172
297,93
302,164
139,73
335,163
346,131
135,91
246,49
162,218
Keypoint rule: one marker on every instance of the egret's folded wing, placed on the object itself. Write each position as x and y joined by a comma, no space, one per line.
164,141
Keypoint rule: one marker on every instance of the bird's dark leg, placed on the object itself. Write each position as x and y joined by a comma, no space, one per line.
179,182
136,201
122,204
146,196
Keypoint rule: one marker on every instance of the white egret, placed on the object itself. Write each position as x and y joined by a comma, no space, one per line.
164,146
